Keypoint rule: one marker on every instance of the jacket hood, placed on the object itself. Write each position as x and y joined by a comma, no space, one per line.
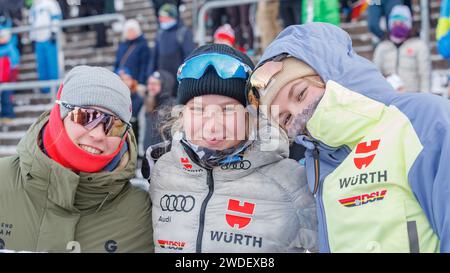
328,50
72,191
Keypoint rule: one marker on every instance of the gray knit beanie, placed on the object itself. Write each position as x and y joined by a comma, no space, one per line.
96,86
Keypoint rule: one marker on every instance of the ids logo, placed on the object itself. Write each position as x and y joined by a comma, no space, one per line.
235,206
171,245
365,153
364,199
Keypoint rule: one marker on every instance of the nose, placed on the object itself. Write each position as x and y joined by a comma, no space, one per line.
98,133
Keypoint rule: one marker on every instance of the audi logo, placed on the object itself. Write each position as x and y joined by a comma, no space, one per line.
241,165
178,203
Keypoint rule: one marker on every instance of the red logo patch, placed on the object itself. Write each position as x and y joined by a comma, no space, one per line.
363,149
241,221
186,163
171,244
364,199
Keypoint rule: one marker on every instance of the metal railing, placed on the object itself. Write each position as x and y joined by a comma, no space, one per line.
201,31
33,85
71,23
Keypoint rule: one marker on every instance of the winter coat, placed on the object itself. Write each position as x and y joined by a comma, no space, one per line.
411,62
152,116
46,207
171,49
260,203
134,56
44,13
376,160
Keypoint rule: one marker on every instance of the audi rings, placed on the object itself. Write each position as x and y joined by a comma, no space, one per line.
178,203
240,165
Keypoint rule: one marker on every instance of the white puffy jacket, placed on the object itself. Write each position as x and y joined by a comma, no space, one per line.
260,204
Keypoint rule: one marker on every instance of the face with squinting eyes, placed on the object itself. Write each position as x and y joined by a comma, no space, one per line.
297,102
215,122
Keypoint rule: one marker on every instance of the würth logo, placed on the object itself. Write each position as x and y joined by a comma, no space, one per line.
236,220
364,199
365,153
186,163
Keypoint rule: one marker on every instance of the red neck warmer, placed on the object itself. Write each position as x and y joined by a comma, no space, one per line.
61,148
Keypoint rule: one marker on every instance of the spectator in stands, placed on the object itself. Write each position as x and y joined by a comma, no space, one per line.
174,42
133,52
9,63
14,10
136,100
404,55
267,21
157,4
291,12
44,13
375,11
68,188
326,11
443,34
93,8
225,35
160,94
239,19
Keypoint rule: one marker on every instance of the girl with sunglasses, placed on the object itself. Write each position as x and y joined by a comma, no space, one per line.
68,188
224,186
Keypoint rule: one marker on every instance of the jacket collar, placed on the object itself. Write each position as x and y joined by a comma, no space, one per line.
343,117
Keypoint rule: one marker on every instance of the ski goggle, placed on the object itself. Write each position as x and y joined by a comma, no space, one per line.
226,67
262,77
90,118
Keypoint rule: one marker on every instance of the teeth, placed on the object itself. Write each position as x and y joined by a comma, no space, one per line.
91,150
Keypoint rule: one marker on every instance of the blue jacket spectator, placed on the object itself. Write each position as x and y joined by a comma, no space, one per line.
174,42
133,53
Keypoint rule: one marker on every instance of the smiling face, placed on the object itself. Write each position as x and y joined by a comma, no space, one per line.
215,122
94,141
297,102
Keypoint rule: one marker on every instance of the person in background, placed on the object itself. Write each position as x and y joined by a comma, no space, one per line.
225,35
291,12
239,19
133,53
9,66
375,11
173,43
44,13
161,94
267,21
136,100
404,55
326,11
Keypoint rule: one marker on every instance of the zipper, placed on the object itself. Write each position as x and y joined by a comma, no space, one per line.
318,187
397,63
316,156
210,183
